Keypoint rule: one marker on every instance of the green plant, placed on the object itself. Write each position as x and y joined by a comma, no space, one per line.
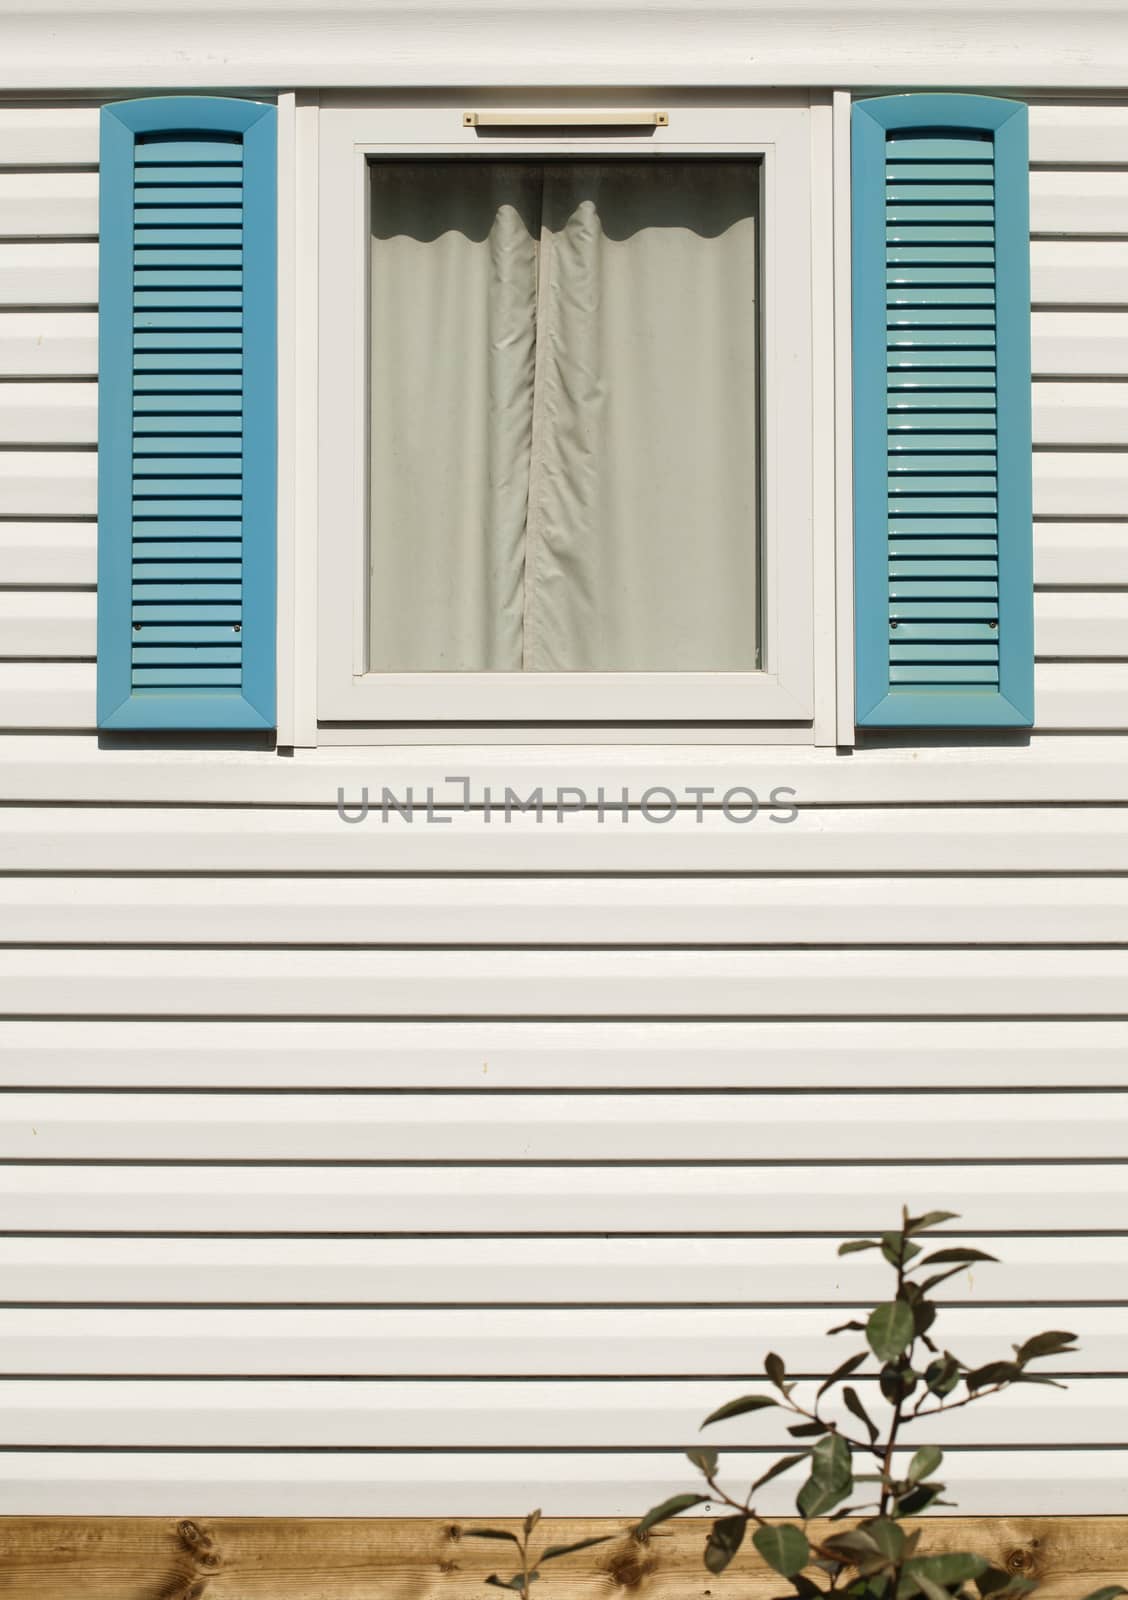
876,1558
529,1572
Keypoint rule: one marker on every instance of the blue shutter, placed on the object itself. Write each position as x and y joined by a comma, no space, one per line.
942,454
186,415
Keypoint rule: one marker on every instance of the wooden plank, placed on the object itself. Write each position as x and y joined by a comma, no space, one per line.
1077,272
1079,343
550,983
1079,134
259,1558
558,911
481,1484
1032,769
48,553
514,1127
345,1342
572,1055
1079,203
48,274
490,1414
47,624
47,135
47,695
47,205
47,344
557,1271
55,483
884,840
1072,1198
1081,624
1094,554
48,413
1093,413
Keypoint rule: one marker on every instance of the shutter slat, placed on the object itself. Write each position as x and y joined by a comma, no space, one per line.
189,247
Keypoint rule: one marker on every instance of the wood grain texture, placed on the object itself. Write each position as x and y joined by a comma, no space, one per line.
139,1558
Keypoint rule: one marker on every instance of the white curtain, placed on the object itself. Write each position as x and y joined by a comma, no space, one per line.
563,379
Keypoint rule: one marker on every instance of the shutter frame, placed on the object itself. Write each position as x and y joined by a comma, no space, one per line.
880,701
122,702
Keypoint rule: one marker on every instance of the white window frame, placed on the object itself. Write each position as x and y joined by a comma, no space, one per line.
778,129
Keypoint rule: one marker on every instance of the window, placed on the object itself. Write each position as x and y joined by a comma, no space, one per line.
557,482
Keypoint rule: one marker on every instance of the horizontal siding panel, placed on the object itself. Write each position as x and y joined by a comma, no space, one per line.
51,274
407,1484
47,205
1079,202
90,1341
1093,413
47,413
55,483
583,1128
561,911
48,344
571,1055
46,624
491,1415
1081,624
1079,343
49,136
1080,483
1084,272
45,768
878,840
633,1199
1084,553
48,553
565,983
1081,696
531,1271
1086,134
56,695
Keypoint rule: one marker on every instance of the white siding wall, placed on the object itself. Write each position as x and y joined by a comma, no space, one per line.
397,1170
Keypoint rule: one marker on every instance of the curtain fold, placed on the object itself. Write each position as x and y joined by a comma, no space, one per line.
563,417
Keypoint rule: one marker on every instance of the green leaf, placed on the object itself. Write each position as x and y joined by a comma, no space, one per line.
775,1369
841,1372
784,1548
897,1382
668,1508
851,1547
1110,1592
724,1541
994,1372
704,1460
848,1327
516,1583
992,1580
887,1536
555,1550
897,1250
809,1430
851,1247
919,1499
945,1571
854,1404
930,1590
531,1521
925,1463
491,1533
784,1464
929,1219
1046,1344
890,1330
737,1408
831,1480
942,1375
961,1254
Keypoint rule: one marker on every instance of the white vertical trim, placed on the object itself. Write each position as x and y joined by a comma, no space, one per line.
822,417
843,421
287,236
304,459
